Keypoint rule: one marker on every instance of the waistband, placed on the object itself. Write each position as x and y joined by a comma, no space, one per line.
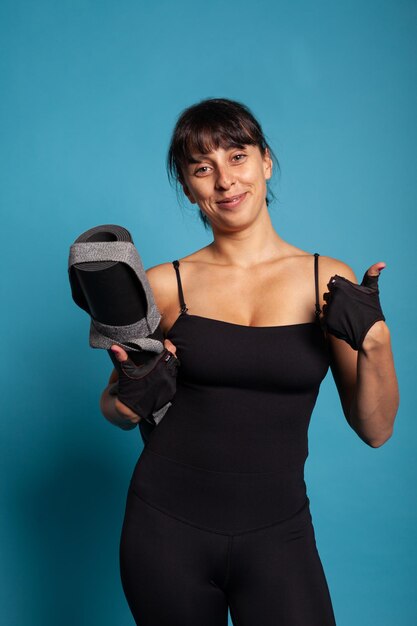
225,502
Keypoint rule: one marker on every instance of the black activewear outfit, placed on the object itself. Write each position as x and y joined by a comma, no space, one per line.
217,514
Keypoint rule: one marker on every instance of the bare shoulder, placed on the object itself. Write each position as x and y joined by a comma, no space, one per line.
163,281
163,284
330,266
160,274
162,277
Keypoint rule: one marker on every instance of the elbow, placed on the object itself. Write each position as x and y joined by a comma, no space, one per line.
378,442
102,402
385,433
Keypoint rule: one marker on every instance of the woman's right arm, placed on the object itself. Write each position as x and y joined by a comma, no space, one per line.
115,411
164,287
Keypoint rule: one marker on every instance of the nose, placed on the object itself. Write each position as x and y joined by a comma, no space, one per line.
225,178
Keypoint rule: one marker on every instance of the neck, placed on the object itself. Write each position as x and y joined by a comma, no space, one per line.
248,246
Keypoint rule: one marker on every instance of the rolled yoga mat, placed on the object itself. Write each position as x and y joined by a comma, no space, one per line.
108,281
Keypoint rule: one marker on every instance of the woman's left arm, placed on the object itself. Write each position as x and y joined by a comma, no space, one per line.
366,380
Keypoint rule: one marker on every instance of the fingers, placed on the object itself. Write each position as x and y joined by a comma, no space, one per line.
170,346
341,289
332,281
370,279
121,355
327,296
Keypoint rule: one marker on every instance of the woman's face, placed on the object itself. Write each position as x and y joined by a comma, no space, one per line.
229,185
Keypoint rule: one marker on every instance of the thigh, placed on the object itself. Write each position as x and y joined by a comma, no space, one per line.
277,578
170,570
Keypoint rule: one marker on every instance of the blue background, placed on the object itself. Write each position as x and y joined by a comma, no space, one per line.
90,94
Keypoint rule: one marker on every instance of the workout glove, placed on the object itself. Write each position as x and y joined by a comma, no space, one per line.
351,309
147,389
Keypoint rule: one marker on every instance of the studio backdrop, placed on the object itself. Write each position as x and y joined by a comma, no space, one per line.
90,94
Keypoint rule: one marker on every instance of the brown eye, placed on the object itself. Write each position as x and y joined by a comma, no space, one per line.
202,170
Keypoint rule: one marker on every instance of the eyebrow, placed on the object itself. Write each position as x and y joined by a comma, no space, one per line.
193,160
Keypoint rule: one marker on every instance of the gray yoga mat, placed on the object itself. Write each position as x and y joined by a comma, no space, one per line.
109,282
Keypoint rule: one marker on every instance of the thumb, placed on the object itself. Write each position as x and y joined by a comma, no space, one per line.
370,278
120,354
170,346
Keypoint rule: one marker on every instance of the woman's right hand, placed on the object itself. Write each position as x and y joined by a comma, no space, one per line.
124,411
121,355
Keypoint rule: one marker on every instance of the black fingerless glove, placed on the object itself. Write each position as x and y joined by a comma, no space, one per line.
351,309
148,388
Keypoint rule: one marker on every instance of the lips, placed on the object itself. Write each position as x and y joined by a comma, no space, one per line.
233,201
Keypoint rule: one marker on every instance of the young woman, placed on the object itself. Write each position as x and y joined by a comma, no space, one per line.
217,514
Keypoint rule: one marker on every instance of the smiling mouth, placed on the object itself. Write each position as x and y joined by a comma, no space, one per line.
231,202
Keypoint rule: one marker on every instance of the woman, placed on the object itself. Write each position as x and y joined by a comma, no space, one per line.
217,514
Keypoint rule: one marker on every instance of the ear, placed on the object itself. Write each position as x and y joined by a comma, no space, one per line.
188,193
267,164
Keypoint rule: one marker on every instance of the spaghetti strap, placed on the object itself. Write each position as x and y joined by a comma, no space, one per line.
184,308
316,280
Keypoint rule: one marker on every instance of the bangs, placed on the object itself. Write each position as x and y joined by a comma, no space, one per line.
210,125
208,136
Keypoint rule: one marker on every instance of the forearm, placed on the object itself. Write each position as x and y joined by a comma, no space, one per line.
376,400
108,406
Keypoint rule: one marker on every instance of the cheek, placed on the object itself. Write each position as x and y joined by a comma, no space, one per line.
203,191
196,191
254,176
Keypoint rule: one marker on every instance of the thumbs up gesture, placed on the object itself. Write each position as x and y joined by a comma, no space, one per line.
351,309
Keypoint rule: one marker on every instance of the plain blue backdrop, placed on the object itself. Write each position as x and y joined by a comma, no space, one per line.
90,93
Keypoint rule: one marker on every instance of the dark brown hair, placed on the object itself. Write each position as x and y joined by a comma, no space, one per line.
208,125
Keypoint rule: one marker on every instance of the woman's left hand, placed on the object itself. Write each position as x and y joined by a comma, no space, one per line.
351,309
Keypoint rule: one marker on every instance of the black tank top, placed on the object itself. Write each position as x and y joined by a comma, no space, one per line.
229,454
245,394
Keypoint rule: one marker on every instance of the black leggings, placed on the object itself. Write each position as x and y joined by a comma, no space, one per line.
175,573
